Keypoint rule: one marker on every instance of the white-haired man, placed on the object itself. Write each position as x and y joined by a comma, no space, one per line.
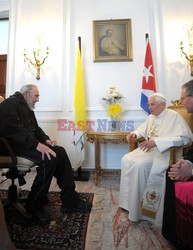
19,126
143,170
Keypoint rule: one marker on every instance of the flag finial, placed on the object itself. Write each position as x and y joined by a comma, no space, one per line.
79,43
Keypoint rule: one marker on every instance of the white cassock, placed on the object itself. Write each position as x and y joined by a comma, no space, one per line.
142,185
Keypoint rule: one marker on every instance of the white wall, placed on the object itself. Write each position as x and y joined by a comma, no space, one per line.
176,14
60,23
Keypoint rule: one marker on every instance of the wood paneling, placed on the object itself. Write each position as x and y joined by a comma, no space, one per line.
3,67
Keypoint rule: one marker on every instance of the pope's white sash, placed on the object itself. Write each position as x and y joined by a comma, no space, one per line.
155,183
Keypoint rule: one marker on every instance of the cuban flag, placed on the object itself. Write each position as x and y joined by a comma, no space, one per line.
148,82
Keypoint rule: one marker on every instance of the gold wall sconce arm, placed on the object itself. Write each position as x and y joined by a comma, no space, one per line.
36,61
186,46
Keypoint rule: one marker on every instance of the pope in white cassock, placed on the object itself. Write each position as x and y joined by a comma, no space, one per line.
143,170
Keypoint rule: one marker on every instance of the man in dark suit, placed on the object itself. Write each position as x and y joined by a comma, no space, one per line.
181,171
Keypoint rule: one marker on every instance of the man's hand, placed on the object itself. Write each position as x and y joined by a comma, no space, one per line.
147,145
181,171
45,150
51,142
130,136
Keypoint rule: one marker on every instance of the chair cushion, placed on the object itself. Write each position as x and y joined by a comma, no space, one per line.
184,211
22,163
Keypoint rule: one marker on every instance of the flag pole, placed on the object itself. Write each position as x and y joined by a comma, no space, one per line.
80,175
79,46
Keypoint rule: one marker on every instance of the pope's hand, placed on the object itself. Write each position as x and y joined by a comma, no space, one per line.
147,145
130,136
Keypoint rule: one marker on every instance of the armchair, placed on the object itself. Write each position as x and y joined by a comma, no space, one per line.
14,167
178,107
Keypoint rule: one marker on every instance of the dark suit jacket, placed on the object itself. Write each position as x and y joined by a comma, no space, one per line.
189,155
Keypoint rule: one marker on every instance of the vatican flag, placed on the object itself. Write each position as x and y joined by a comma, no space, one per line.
79,114
79,99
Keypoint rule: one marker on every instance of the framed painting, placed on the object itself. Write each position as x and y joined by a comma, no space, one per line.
112,40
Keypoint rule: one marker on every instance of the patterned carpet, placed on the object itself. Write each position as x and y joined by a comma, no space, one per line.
136,235
65,231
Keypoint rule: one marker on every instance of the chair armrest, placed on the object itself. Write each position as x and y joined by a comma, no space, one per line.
134,142
173,151
3,159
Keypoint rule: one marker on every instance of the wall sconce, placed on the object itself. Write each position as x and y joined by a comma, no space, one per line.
188,49
37,62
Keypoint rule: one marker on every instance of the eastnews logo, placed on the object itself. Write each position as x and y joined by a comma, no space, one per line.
99,125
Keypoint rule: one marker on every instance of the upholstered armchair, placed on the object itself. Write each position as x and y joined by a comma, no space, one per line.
178,107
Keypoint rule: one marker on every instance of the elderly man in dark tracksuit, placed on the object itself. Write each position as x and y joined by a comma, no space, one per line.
19,126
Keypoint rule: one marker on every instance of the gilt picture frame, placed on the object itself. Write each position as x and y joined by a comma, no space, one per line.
112,40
